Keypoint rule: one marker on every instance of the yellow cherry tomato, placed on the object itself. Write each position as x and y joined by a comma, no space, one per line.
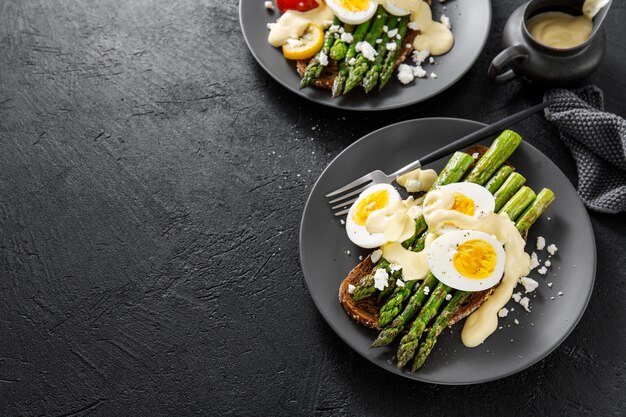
307,45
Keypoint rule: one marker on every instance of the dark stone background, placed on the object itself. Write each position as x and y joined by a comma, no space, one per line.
151,185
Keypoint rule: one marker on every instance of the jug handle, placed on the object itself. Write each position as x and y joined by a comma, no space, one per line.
502,60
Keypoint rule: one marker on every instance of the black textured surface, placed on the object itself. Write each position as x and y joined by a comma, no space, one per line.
151,185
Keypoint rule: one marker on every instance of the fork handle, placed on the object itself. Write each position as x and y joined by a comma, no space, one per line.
476,136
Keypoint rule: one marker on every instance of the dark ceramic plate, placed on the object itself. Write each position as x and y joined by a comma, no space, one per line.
470,21
323,247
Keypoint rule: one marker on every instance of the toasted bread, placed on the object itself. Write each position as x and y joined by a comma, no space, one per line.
366,311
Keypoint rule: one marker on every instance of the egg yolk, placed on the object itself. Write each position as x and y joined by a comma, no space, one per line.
368,204
463,204
475,259
354,5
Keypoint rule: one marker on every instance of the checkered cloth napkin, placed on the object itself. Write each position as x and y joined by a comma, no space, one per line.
597,141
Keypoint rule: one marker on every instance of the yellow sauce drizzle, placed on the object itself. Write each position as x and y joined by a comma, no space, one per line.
292,24
434,36
417,180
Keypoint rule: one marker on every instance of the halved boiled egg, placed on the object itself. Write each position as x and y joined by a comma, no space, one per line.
353,12
470,199
467,260
374,198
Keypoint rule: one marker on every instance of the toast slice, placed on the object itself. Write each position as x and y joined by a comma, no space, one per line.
365,312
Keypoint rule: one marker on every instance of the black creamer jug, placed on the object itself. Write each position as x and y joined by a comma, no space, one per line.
525,57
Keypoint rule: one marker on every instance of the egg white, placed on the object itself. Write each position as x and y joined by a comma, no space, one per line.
440,260
353,17
358,234
394,9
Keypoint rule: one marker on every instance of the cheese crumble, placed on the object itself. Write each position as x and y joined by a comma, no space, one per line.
541,243
367,50
347,37
552,249
381,279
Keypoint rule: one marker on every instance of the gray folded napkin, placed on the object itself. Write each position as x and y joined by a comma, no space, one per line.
597,141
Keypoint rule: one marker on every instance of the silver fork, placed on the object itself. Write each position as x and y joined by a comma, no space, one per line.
343,197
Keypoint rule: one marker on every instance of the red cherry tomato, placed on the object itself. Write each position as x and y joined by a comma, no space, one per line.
298,5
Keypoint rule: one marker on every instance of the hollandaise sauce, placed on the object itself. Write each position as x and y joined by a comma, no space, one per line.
433,36
562,30
292,24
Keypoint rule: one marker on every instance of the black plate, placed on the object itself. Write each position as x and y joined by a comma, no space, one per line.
323,247
470,21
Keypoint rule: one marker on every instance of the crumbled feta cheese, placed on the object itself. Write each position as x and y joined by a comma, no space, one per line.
529,284
352,61
534,262
347,252
516,321
379,41
399,283
398,37
323,59
391,46
448,297
427,290
381,279
405,74
408,45
392,33
360,257
376,255
342,30
547,263
503,312
475,155
419,72
552,249
541,243
433,75
351,289
543,270
560,293
270,26
347,37
420,56
366,50
334,28
445,20
517,296
524,302
269,5
549,284
412,25
342,221
395,267
385,28
431,60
